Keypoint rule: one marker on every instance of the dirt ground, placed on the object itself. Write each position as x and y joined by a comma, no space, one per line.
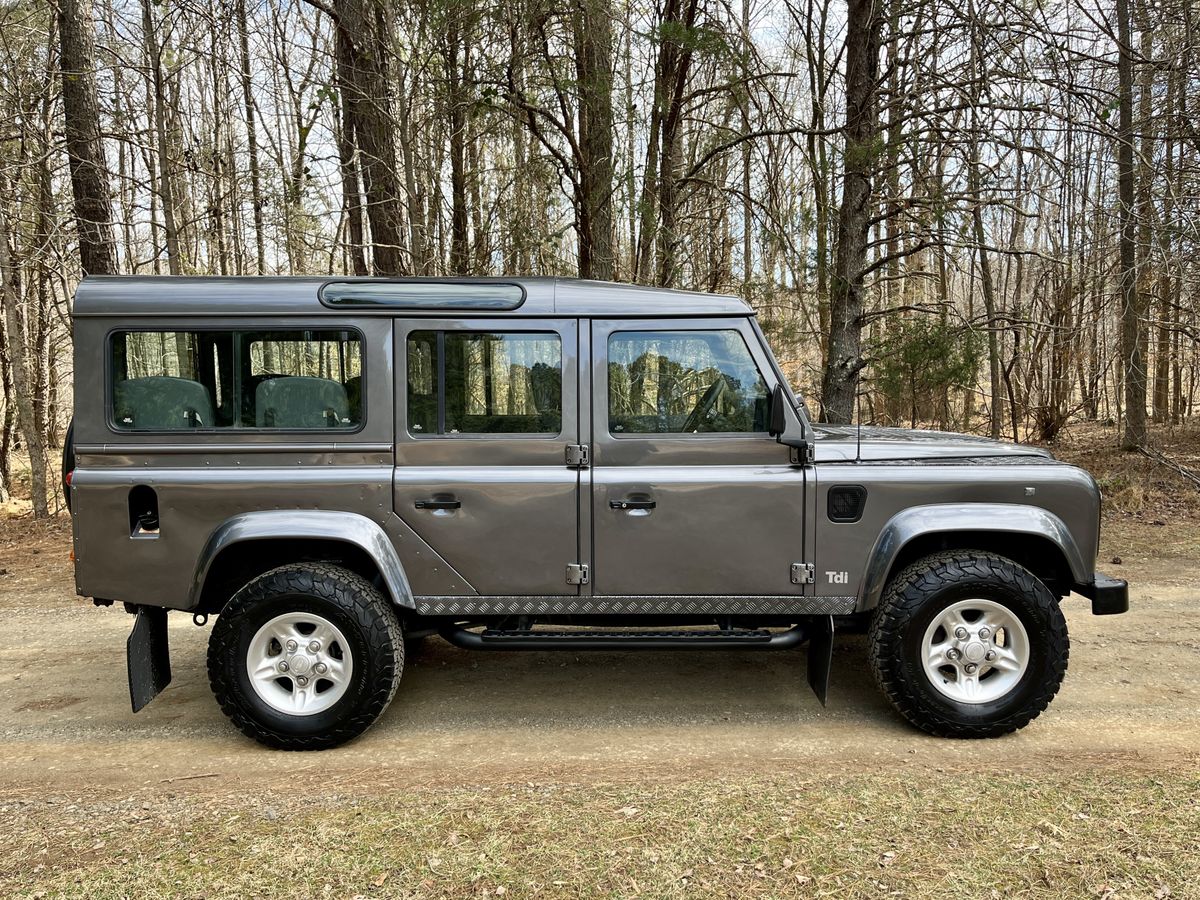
1130,706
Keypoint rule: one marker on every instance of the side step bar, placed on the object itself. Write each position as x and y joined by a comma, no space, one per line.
819,636
491,639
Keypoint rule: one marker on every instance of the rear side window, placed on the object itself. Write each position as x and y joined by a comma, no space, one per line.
684,382
484,383
289,380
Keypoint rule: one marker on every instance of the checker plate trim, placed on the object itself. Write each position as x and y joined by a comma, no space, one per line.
636,605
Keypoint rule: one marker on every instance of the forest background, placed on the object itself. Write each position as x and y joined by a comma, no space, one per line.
981,216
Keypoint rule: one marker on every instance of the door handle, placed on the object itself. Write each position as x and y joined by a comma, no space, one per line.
632,504
438,504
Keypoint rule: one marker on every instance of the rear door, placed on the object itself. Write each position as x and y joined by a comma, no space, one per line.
485,412
691,496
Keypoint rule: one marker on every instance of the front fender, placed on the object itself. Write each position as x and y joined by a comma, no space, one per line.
344,527
1001,518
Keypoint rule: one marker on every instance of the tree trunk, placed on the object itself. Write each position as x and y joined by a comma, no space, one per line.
23,385
1134,433
362,25
1162,342
165,186
351,197
256,198
457,140
864,25
974,189
418,236
592,21
996,403
6,425
678,65
85,148
657,222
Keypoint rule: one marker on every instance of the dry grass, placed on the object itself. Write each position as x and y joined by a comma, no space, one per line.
1087,835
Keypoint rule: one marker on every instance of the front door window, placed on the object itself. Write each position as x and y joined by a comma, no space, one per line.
684,382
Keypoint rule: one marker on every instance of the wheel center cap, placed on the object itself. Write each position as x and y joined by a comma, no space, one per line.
974,651
300,664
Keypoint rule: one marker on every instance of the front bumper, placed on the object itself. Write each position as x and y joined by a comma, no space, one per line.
1109,596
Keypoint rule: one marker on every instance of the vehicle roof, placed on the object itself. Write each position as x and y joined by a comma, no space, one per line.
176,295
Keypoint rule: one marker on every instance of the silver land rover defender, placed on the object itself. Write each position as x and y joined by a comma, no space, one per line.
338,467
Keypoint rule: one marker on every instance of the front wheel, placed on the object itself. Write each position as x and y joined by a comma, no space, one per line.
305,657
968,644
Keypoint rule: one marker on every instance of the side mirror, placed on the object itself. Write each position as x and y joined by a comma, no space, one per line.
778,422
787,428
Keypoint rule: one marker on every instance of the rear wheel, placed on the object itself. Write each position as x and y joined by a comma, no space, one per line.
305,657
968,644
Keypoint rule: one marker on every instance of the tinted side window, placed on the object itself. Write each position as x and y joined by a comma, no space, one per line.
301,379
171,380
683,382
484,383
176,381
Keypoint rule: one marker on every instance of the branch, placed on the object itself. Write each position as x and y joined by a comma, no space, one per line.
704,160
1164,460
322,6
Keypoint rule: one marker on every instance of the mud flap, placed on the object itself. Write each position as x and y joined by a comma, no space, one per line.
820,656
148,657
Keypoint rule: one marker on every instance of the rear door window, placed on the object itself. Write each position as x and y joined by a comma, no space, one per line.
463,383
301,380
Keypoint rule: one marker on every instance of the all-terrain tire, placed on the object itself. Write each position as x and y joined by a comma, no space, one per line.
372,632
924,590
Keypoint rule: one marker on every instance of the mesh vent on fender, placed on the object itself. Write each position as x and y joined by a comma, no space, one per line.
847,502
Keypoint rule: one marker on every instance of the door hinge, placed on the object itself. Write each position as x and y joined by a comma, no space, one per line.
577,573
577,456
802,455
803,573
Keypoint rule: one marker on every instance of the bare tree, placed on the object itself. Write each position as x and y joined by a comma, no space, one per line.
1134,433
592,24
85,149
22,377
864,27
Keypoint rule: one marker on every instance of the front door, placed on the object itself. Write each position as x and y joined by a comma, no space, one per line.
691,496
485,411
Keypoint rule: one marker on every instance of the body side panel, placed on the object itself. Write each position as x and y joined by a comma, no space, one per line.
204,508
1055,502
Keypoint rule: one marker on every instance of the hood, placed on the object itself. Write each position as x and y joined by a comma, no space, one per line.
838,443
